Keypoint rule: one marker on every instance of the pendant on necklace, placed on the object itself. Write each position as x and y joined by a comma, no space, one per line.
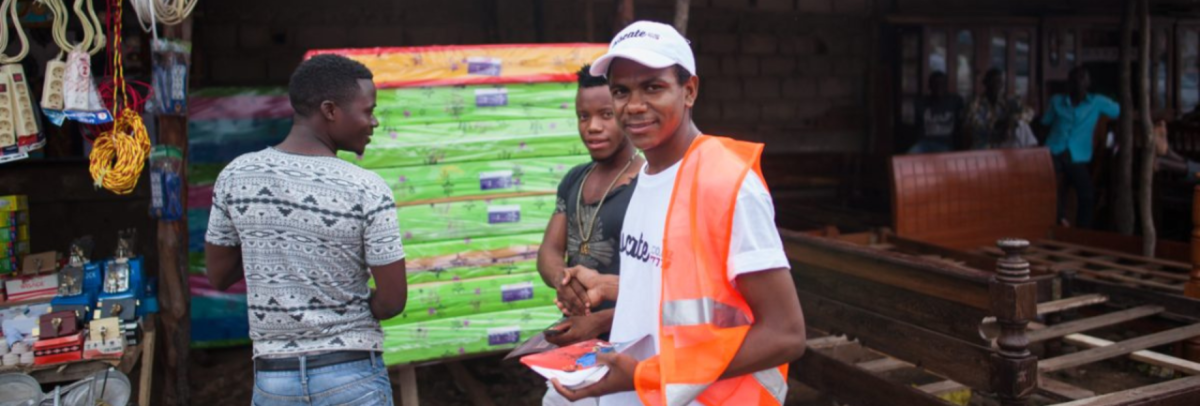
583,249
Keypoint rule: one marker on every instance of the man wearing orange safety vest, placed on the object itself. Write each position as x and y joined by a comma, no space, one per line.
703,270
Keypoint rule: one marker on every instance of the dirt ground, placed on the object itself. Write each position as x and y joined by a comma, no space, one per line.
226,377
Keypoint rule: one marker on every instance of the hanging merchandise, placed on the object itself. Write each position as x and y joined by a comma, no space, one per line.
171,60
167,12
70,84
19,132
82,101
166,183
119,154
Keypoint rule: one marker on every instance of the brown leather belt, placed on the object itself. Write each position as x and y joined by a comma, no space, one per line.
311,361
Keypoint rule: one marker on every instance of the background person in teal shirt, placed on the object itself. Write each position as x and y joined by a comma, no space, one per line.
1072,119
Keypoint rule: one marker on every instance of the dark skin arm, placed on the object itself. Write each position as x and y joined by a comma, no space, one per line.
550,259
224,265
391,290
777,336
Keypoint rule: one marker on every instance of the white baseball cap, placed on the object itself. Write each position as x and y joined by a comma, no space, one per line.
652,44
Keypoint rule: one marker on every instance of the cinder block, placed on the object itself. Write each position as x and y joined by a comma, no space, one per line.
816,6
376,36
800,88
759,44
707,110
849,6
777,5
221,38
320,37
778,111
708,65
229,70
254,36
722,89
739,111
832,87
738,4
778,65
743,65
762,88
718,43
798,45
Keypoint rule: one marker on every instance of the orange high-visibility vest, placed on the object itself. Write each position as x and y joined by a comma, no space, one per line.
704,318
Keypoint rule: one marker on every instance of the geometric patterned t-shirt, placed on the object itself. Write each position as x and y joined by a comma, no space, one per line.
309,227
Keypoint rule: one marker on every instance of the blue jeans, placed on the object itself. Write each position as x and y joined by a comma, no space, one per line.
357,383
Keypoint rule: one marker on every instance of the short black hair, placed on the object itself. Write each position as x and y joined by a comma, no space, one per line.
681,74
586,79
325,77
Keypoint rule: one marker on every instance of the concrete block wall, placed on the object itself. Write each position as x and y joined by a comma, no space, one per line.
791,73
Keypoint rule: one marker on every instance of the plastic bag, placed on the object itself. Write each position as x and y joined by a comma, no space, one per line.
171,59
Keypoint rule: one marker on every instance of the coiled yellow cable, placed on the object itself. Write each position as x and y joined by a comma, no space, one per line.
118,155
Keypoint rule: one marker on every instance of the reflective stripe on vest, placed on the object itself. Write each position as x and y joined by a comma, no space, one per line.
772,380
691,312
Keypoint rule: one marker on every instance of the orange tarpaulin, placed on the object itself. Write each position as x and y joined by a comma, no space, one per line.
472,64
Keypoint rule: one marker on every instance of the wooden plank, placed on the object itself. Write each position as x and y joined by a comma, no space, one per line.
1183,391
912,246
1092,323
1169,251
904,305
941,388
1116,254
824,343
885,364
1118,349
845,383
1060,390
967,363
1055,265
1153,358
408,386
146,380
1109,264
1070,303
957,284
1176,305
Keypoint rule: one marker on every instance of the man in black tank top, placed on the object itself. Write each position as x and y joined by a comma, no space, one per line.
586,225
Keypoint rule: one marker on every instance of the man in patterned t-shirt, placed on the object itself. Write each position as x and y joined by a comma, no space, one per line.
307,231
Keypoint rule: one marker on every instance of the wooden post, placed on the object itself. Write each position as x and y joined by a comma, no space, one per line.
408,386
1192,287
1014,303
1146,188
174,293
682,7
1123,206
591,20
624,15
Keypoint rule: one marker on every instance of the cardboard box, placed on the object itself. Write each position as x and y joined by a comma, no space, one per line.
14,233
14,218
14,203
32,287
41,262
58,350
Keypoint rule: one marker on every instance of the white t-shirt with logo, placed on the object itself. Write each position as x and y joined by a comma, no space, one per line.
754,246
